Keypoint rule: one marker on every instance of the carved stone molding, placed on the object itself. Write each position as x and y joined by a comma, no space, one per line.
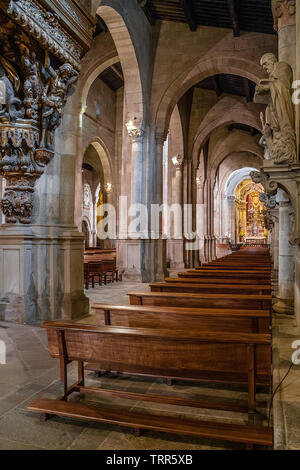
283,13
269,221
270,186
267,200
160,137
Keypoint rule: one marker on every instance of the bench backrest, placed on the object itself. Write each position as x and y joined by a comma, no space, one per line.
184,318
204,300
210,288
185,353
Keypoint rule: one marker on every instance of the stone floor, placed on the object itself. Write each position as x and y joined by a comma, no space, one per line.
31,373
286,407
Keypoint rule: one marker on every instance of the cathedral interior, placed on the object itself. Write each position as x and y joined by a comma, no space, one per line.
149,225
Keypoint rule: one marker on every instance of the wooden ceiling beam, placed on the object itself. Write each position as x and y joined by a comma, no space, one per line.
188,13
247,89
116,71
234,18
216,85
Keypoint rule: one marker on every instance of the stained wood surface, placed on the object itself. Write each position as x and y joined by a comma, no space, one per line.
215,430
204,300
247,321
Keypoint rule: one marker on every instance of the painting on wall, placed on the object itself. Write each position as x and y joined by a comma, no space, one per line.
86,196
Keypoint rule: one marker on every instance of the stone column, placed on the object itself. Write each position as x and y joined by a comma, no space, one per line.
275,240
42,262
159,244
286,273
129,250
284,12
230,218
200,218
176,246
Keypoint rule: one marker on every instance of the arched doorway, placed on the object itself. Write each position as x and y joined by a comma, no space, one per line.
249,214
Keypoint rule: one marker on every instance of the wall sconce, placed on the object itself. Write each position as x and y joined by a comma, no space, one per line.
130,127
108,187
133,130
177,161
199,181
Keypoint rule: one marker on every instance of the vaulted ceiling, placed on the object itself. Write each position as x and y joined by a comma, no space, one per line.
238,15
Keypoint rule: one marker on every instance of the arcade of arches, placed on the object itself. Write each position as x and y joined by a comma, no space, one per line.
171,143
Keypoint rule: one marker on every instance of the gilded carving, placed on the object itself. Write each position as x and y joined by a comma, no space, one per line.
278,123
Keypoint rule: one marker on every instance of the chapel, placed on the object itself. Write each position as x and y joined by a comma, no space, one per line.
149,225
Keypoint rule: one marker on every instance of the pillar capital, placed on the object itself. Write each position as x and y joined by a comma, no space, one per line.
178,162
160,137
136,134
283,13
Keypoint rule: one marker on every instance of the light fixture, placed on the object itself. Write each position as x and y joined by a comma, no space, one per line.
177,161
131,126
108,187
199,180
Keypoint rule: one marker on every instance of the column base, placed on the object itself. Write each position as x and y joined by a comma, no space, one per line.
129,260
175,254
284,306
41,274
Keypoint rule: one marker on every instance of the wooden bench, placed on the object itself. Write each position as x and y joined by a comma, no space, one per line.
232,301
213,280
223,274
184,318
179,286
161,353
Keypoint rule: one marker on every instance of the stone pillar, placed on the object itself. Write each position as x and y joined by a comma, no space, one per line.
176,246
159,244
275,240
46,281
286,273
230,218
129,250
200,219
285,25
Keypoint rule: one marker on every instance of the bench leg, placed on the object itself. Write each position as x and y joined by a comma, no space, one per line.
251,380
44,417
137,432
81,373
249,446
169,382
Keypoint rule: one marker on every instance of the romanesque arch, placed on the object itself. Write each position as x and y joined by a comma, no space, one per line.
228,110
231,64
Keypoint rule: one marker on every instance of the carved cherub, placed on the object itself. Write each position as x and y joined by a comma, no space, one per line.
54,98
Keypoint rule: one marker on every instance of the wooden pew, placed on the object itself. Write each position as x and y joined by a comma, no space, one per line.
223,274
184,318
212,280
178,286
157,352
204,300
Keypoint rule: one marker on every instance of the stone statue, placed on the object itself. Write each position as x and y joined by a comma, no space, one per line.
32,85
12,109
54,98
278,124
